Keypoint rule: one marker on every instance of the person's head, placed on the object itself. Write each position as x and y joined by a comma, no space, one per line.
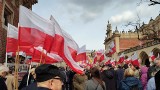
134,67
48,76
3,71
95,72
157,61
128,73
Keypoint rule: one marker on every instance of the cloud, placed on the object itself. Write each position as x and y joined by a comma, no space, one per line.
125,16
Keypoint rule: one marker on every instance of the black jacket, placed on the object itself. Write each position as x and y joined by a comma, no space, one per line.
2,84
157,80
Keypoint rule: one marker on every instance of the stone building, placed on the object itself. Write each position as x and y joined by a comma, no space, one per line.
143,40
9,10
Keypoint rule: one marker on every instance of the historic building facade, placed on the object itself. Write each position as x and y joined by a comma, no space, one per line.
143,40
9,10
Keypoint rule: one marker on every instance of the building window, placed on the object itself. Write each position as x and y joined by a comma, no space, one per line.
7,16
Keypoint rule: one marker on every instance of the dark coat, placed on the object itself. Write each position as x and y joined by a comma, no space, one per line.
108,76
2,84
157,80
24,81
150,70
120,75
32,86
129,82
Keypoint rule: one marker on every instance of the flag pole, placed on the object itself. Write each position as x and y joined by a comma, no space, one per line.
41,56
6,47
16,69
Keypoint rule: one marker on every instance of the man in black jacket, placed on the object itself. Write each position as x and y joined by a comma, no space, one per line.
3,73
157,76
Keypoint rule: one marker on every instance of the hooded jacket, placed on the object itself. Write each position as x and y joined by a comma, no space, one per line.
130,82
144,78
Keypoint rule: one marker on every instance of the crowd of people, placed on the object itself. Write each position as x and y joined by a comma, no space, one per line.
98,77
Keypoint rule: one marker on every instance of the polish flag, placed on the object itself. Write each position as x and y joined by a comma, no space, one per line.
41,56
152,56
72,45
61,48
112,48
121,58
102,57
95,60
128,60
34,31
81,56
134,58
12,39
108,62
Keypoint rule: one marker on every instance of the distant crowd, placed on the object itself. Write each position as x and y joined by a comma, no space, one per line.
98,77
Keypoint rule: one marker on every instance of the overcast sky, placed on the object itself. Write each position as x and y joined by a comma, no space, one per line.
86,20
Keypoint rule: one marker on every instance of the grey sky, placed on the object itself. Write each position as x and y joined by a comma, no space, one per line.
86,20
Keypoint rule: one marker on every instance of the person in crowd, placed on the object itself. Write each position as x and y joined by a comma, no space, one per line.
87,72
79,81
3,73
150,70
151,81
70,75
130,82
95,83
135,68
48,77
25,81
120,74
64,77
143,77
157,75
10,80
109,77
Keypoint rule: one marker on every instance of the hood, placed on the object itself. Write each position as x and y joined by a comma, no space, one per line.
131,81
144,70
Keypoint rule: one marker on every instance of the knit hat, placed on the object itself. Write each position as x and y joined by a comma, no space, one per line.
46,71
4,68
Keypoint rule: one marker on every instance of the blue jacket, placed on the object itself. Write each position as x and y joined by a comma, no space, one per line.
129,82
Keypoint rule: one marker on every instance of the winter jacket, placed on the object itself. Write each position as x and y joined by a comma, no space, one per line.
79,81
157,80
2,84
120,74
143,77
130,82
151,84
109,77
93,84
10,82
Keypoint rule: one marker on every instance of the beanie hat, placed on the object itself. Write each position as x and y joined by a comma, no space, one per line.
4,68
46,71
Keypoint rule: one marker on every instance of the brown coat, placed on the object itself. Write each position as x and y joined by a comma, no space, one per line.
79,82
10,82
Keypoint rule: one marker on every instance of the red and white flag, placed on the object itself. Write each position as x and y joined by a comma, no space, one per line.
135,61
34,31
152,56
12,39
81,56
72,45
41,56
121,58
61,48
112,48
